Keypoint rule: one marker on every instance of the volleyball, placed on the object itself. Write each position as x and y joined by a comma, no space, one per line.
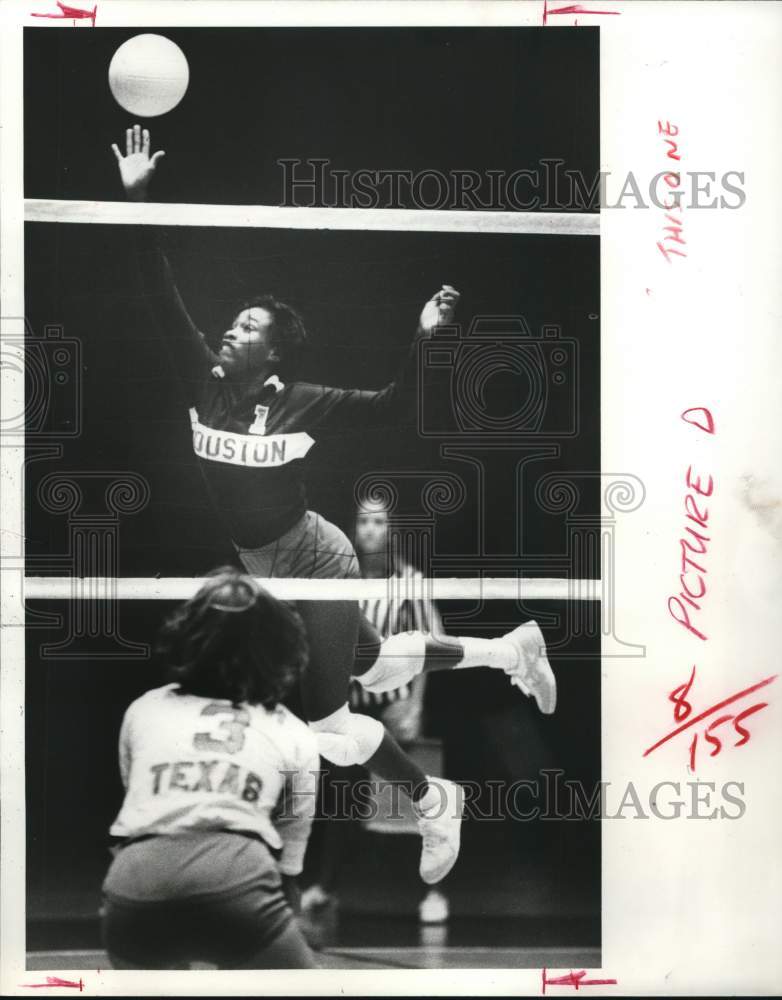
148,75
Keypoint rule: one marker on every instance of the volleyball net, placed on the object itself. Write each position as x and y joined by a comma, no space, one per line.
282,217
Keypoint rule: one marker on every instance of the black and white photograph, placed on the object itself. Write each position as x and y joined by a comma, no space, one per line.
261,402
388,556
449,371
505,869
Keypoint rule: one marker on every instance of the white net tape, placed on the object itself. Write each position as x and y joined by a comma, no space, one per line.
113,213
182,588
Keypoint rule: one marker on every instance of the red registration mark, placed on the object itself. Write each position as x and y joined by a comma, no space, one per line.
574,979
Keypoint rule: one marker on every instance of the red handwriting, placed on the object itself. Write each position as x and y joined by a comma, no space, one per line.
672,208
682,710
74,13
56,981
692,575
696,414
574,979
573,8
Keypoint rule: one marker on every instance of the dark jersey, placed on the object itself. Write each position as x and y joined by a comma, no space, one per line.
251,438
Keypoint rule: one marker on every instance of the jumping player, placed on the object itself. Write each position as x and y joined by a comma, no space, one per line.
205,761
252,428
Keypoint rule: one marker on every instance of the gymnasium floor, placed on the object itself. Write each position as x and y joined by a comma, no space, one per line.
422,957
365,942
379,942
509,910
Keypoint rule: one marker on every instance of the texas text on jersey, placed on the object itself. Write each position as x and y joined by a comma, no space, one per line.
191,763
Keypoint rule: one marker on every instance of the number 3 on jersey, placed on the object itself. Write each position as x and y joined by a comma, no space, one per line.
228,734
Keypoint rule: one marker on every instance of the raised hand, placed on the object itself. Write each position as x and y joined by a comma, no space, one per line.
439,310
137,166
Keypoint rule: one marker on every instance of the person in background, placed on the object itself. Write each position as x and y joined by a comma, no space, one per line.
403,609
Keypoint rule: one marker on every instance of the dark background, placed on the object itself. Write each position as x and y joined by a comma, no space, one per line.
361,294
482,99
463,98
540,870
364,98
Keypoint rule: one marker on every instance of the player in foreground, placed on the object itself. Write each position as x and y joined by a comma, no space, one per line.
252,427
206,762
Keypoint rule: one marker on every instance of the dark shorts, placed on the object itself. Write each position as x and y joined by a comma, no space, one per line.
314,548
159,913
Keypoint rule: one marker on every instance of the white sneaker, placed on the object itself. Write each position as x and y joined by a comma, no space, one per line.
433,908
440,825
532,673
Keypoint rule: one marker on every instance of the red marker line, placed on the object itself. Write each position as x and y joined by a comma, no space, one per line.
574,979
710,711
55,981
576,8
71,13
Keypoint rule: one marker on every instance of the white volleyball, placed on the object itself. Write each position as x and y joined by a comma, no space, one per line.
148,75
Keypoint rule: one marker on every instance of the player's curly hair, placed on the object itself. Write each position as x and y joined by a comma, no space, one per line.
289,335
233,640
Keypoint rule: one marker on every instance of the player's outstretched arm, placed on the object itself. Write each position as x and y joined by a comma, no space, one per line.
190,351
343,406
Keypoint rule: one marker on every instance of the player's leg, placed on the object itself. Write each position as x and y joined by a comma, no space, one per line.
388,664
289,950
255,928
143,937
332,630
332,834
316,548
346,737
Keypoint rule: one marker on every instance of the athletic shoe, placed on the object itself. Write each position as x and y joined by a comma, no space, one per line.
433,908
440,825
531,673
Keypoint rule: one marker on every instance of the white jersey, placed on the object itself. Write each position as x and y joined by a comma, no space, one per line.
193,763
